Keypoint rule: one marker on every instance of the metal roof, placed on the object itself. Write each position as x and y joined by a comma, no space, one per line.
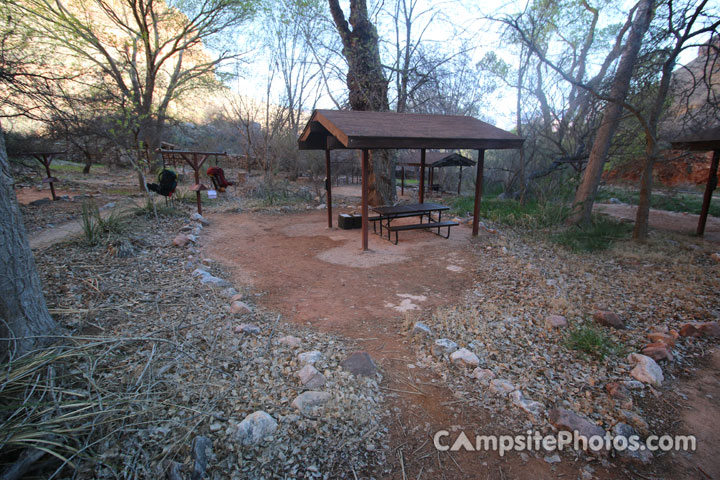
704,140
341,129
435,160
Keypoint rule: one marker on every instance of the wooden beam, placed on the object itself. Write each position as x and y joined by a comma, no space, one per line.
421,194
328,186
709,187
364,167
478,191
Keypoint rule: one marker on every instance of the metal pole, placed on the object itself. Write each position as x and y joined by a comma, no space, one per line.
364,167
478,191
711,185
328,186
421,195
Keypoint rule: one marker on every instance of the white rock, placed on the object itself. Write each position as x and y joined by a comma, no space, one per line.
255,427
290,341
306,401
199,218
501,386
310,377
229,292
530,406
200,272
552,459
208,279
646,369
484,375
464,358
421,329
443,346
309,357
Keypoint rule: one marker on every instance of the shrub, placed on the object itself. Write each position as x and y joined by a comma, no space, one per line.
96,227
591,340
599,235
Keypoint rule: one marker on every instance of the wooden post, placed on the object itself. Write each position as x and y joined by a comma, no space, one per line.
328,186
197,182
478,191
364,167
47,160
460,181
421,195
711,185
402,182
432,179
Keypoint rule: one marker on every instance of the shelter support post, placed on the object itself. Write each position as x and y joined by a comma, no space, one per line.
402,182
364,167
328,186
478,191
460,180
421,194
711,185
432,181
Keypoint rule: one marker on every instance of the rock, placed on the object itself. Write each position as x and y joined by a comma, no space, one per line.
714,256
464,358
659,329
108,206
633,384
635,420
707,329
360,363
186,228
309,357
615,201
239,308
552,458
608,319
321,206
201,447
255,427
443,346
421,329
199,218
484,375
646,370
555,321
658,351
660,337
637,457
566,420
530,406
306,401
192,238
500,386
310,377
290,341
249,328
40,202
199,272
619,392
181,240
229,292
208,279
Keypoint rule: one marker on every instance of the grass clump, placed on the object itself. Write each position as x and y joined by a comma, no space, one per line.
592,341
97,227
529,215
599,235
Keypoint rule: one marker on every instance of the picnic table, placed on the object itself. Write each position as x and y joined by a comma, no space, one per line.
386,215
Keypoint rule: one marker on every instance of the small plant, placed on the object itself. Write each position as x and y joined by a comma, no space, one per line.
599,235
591,340
96,226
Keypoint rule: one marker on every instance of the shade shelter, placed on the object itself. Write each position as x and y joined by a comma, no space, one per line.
434,160
704,141
344,129
195,160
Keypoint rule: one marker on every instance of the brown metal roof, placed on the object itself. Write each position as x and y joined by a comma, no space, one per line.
435,159
703,141
337,129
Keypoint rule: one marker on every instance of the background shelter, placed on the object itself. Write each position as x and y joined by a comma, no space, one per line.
704,141
345,129
433,160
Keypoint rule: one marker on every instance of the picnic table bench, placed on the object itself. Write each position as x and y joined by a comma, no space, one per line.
385,216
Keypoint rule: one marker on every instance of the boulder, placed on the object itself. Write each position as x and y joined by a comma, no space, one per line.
555,321
443,346
309,357
484,375
637,457
199,218
310,377
566,420
608,319
646,370
360,363
658,351
695,329
240,308
421,329
307,401
635,420
619,392
255,427
464,358
181,240
661,337
500,386
532,407
212,281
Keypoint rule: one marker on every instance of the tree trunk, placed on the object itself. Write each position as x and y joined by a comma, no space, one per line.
23,312
585,195
368,89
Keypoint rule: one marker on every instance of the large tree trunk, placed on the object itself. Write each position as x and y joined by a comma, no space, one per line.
585,195
23,312
368,88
